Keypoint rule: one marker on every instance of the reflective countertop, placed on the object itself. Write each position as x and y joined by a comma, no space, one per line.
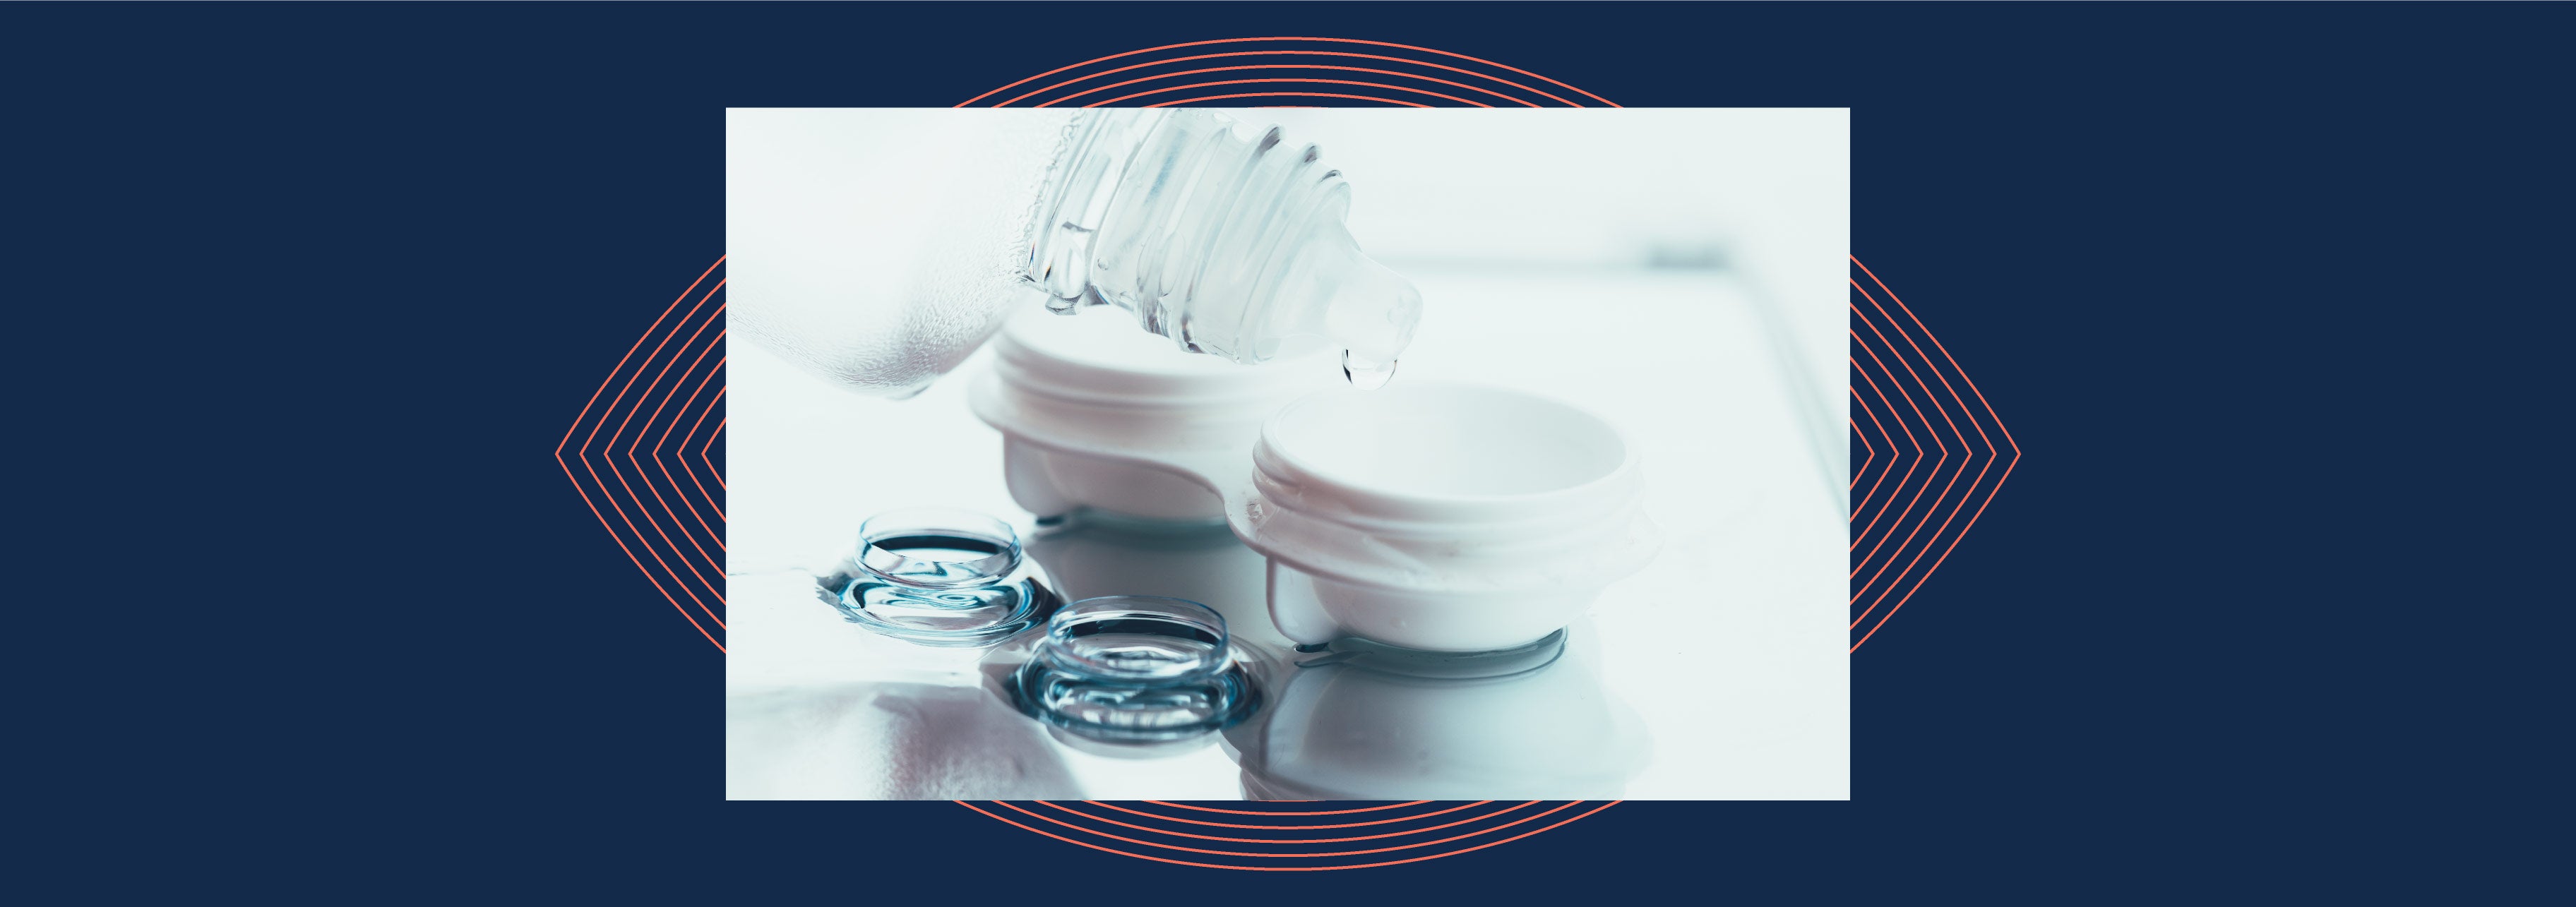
1718,672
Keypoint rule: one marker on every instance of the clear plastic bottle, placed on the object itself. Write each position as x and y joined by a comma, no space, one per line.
879,248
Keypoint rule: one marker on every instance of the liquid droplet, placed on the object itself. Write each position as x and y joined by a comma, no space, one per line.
1364,374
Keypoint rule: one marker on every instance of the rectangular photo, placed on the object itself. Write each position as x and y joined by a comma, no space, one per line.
1287,454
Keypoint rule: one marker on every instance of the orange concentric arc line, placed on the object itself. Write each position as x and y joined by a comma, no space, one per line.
1403,818
1285,94
665,441
1945,488
1296,53
1966,454
1148,50
1390,834
1917,444
664,468
1291,868
1445,97
1991,415
584,492
608,456
1287,855
1383,72
583,453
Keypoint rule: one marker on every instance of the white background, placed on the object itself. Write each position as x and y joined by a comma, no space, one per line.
1681,272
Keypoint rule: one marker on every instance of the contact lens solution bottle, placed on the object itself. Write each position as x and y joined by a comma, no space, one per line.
878,248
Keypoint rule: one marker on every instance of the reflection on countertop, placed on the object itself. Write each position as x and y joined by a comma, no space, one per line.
1358,721
1365,721
887,741
1368,723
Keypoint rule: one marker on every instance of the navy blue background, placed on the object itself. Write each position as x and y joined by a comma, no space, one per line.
307,293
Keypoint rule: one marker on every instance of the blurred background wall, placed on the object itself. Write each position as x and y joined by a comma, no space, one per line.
1643,188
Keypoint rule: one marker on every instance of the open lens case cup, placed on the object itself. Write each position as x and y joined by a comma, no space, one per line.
1441,517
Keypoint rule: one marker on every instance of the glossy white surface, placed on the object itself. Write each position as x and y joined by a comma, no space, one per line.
1350,732
1729,648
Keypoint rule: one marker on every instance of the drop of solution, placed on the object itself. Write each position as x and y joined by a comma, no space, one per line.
1365,374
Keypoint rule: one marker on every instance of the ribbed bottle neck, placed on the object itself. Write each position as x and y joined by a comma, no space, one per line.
1227,240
